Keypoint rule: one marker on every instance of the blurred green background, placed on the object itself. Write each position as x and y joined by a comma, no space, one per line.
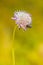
28,45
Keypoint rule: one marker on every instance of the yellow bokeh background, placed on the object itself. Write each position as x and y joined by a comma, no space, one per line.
27,45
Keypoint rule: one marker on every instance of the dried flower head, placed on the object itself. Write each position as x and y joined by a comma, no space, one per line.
22,19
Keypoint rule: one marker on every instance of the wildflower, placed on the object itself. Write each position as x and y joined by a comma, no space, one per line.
22,19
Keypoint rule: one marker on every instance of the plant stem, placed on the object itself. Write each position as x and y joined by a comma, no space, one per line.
13,50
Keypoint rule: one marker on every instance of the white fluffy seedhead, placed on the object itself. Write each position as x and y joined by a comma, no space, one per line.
22,19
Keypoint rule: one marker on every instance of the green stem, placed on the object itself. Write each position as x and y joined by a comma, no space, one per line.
13,50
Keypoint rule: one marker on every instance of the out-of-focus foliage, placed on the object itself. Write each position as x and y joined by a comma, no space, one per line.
28,45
